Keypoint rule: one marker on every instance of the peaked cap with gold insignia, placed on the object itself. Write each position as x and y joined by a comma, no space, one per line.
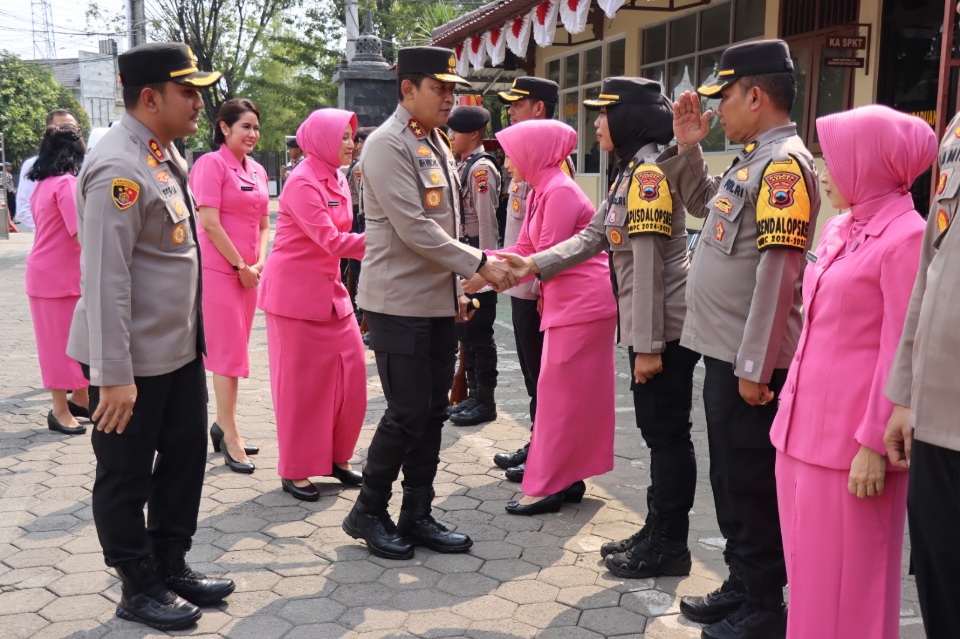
529,88
749,58
435,62
157,62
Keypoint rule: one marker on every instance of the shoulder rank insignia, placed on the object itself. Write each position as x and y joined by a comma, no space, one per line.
156,149
416,128
943,220
749,148
152,162
743,174
783,207
124,193
424,151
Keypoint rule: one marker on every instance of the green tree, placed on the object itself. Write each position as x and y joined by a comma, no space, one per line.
27,93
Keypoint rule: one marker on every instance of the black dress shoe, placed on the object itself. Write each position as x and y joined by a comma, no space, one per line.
717,605
749,622
369,520
549,504
235,466
77,410
199,589
216,438
53,424
305,493
515,474
145,599
507,461
347,477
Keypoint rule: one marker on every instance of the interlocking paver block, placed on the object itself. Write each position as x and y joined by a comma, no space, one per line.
612,621
486,608
28,600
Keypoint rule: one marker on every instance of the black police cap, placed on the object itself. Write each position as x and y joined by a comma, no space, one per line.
292,143
530,88
157,62
435,62
467,119
749,58
624,90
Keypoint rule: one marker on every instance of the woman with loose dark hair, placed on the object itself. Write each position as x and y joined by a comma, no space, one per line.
232,197
53,272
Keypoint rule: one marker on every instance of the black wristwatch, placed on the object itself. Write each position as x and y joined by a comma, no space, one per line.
240,265
483,260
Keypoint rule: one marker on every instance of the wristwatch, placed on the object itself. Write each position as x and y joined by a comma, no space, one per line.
483,260
239,266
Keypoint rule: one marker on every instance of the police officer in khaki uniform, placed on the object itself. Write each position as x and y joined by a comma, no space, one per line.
351,269
479,196
138,333
411,294
923,433
528,98
744,314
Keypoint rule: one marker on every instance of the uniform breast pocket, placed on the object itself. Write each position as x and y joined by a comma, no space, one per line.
176,235
723,222
946,201
614,229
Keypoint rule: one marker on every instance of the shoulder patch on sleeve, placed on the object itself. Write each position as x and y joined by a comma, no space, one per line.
649,202
124,193
783,207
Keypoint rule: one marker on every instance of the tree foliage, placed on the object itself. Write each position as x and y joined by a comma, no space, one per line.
27,93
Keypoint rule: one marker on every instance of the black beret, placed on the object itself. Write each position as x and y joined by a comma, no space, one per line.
749,58
530,88
467,119
436,62
624,90
157,62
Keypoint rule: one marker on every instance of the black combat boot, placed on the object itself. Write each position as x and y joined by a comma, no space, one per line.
614,547
469,402
717,605
663,553
760,616
418,525
510,460
369,520
195,587
485,410
146,600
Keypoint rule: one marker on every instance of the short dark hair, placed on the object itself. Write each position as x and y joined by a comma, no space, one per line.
131,95
416,78
549,110
61,151
363,133
60,112
781,87
230,111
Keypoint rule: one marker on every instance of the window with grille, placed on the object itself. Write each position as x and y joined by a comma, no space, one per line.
802,16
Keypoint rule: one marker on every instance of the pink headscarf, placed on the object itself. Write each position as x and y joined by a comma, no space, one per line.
874,154
537,147
320,136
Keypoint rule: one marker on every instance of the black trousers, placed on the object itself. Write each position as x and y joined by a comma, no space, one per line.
479,349
933,511
663,407
158,461
12,204
415,357
526,330
742,462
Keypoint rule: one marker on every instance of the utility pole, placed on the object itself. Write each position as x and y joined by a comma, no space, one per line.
5,232
136,23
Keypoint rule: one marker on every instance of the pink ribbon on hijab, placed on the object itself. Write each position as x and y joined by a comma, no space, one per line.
321,135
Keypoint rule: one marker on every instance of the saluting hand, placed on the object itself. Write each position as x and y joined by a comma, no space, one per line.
690,127
520,265
498,273
115,408
899,437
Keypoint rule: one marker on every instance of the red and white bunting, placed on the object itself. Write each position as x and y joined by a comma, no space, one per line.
463,62
544,17
610,7
496,43
573,15
476,51
518,34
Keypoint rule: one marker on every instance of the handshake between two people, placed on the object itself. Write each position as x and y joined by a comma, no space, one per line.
504,271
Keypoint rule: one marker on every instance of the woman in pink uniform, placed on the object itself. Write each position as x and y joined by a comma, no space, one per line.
842,505
573,433
53,272
231,193
318,373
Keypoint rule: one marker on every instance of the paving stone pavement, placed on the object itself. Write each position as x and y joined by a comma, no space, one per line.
298,575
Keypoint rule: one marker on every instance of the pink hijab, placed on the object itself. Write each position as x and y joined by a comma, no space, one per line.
320,136
537,147
874,154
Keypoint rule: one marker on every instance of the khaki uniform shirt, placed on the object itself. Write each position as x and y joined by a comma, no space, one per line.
411,202
743,293
516,211
479,197
923,372
139,309
352,173
644,226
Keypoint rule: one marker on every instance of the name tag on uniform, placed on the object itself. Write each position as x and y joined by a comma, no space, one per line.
246,188
333,203
811,257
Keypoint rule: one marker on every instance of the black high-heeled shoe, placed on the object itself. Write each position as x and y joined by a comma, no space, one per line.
549,504
574,494
235,466
216,438
77,410
55,425
304,493
346,477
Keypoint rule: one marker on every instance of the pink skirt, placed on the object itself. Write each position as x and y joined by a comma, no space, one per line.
574,429
318,379
228,310
843,554
51,325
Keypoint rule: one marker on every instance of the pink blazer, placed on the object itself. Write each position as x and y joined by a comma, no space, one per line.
854,309
53,265
301,278
559,210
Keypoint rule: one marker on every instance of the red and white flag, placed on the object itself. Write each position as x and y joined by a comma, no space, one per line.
610,7
544,17
518,34
496,43
573,15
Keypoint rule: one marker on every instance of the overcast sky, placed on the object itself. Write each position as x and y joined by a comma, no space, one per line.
69,27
